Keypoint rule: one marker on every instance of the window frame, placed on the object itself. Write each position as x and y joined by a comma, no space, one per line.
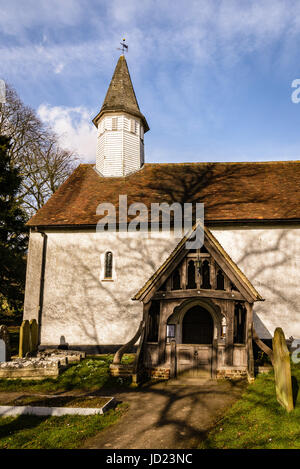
103,275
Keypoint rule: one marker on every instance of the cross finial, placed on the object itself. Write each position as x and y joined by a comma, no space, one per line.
124,47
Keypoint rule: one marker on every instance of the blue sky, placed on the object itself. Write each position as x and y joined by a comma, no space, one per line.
213,78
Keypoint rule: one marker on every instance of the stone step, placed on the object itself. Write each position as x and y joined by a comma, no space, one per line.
191,382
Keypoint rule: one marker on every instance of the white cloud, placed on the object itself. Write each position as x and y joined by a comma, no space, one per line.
59,68
16,17
156,31
40,60
74,128
199,29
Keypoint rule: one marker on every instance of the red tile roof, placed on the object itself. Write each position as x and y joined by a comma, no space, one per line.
230,191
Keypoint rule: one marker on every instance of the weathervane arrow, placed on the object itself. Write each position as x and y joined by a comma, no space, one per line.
124,47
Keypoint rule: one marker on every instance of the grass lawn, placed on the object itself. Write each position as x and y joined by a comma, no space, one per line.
68,432
257,421
90,375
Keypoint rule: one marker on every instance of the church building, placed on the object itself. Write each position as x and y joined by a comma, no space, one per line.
195,310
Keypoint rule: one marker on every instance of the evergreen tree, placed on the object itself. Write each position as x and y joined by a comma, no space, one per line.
13,237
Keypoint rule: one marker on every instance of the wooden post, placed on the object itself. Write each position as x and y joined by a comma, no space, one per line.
262,345
138,363
183,275
250,356
173,359
198,277
213,281
164,314
249,339
214,364
229,334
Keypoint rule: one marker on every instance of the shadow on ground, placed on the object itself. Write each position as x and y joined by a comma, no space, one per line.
161,416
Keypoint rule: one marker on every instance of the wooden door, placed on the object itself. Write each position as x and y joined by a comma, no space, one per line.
194,361
194,354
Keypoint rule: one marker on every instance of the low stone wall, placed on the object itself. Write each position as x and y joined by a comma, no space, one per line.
31,373
48,364
263,369
161,373
32,368
231,373
70,355
121,370
158,373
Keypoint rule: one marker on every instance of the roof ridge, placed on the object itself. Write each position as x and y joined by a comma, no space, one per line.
212,162
271,192
224,162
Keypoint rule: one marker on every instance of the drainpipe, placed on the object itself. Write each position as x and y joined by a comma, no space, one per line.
42,282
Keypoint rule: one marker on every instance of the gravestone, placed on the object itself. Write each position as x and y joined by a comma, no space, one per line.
2,351
24,343
33,335
4,344
282,370
63,345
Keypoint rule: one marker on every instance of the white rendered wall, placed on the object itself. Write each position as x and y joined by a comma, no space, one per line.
120,150
87,311
77,304
270,258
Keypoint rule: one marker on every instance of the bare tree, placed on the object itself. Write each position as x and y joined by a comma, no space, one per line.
43,164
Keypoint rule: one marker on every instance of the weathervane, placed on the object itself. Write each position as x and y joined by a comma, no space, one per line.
124,47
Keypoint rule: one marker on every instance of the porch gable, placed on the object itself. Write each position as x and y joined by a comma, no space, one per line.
215,275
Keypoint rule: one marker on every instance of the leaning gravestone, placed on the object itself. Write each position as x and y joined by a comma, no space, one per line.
24,343
282,370
34,332
4,344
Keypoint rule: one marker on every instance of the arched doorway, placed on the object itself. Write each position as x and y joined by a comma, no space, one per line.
194,354
197,326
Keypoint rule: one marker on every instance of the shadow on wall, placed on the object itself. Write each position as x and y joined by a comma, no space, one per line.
274,270
78,303
236,189
260,328
85,306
